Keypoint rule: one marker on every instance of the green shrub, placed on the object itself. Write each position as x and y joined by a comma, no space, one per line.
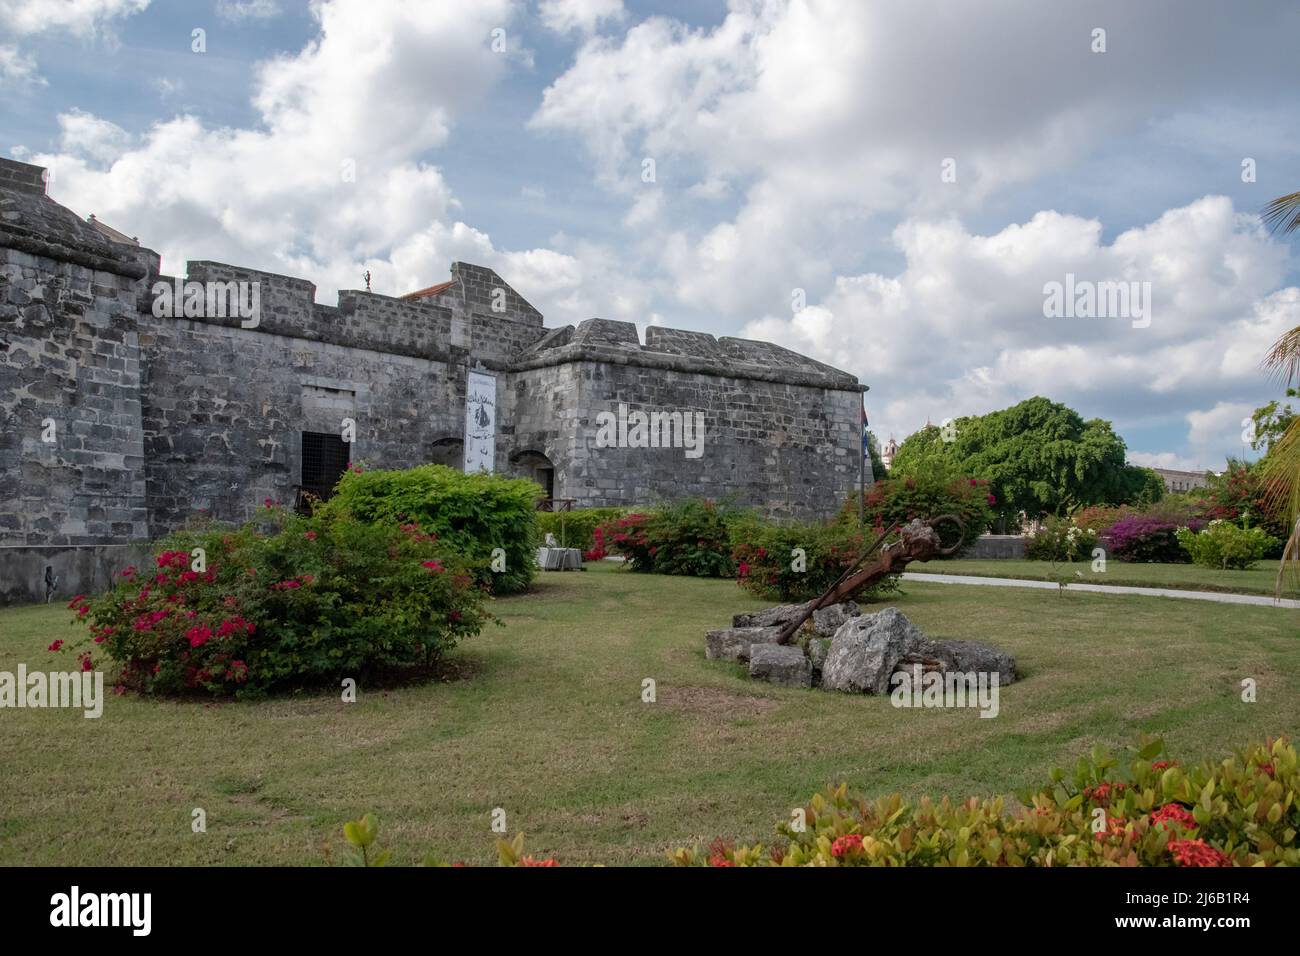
472,514
1243,811
577,528
282,601
691,537
769,563
1221,544
1061,540
900,500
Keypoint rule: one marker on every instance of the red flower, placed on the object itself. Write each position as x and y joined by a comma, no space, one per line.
128,573
1164,764
310,535
529,861
1173,813
991,500
435,567
86,665
199,635
1197,853
55,646
742,569
454,616
268,503
76,600
849,843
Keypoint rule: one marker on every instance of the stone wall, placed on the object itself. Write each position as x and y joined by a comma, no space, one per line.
224,410
160,418
784,448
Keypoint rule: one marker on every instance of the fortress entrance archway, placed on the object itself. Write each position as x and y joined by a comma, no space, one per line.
449,452
535,465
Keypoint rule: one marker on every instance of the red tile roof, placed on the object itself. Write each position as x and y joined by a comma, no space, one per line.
430,292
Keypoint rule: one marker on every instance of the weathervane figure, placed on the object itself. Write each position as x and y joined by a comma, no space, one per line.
367,280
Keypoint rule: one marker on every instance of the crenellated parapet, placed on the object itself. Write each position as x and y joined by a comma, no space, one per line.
678,350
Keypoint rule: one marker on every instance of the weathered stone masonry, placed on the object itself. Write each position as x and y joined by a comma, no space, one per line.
157,420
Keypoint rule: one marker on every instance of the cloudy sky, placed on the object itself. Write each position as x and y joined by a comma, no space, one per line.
885,186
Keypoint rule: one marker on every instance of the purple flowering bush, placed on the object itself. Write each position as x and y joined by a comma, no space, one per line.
1147,538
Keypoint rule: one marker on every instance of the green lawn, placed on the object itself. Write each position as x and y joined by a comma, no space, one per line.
550,726
1259,579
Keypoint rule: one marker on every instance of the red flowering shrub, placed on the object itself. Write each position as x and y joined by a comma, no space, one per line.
281,601
627,536
597,551
796,562
899,501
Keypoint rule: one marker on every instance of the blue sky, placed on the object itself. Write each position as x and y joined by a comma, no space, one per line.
797,146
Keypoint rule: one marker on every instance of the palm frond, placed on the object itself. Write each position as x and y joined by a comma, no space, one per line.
1283,213
1290,553
1284,357
1280,474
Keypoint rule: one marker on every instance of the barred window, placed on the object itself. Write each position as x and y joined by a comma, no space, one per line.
324,459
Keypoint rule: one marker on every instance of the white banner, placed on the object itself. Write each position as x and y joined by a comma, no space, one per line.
480,422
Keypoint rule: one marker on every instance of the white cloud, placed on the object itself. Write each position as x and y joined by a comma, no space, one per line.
1164,459
960,330
82,18
567,16
17,69
238,11
380,85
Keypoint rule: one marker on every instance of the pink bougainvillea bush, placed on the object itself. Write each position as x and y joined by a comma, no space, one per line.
283,601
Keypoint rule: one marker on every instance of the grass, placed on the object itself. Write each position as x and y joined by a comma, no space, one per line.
1259,579
551,727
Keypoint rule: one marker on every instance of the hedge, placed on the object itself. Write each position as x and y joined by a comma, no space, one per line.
472,513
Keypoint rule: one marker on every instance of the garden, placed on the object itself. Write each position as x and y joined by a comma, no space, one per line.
488,700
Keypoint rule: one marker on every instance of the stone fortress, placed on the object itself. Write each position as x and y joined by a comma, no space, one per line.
117,424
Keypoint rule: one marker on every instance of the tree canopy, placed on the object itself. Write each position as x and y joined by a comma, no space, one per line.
1039,457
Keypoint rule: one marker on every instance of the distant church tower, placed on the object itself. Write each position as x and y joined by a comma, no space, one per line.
888,452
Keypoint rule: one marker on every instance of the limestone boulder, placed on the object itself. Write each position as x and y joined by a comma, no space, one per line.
978,657
867,648
780,664
733,643
769,617
828,620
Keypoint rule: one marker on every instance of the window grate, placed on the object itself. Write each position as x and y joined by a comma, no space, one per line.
325,458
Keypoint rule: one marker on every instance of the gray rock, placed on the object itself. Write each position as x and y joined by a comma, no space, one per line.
768,617
828,620
780,664
867,648
733,643
817,648
978,657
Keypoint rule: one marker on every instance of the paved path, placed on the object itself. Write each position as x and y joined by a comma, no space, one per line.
1218,596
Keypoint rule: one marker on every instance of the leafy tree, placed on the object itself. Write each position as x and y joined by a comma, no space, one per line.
878,469
1040,457
1272,421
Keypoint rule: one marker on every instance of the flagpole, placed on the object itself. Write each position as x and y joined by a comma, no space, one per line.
862,470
